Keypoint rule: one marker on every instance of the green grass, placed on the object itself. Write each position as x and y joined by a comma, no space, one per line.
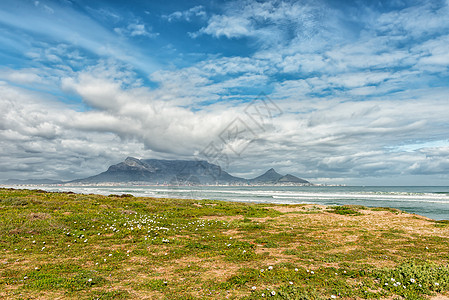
65,245
352,210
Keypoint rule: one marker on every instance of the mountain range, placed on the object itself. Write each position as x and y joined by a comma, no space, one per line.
181,172
173,172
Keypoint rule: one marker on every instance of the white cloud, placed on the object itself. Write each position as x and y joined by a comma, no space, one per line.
326,138
416,21
20,76
187,15
136,29
433,54
138,113
270,22
47,9
69,26
228,26
38,137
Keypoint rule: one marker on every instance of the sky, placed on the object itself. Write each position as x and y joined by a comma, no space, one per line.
336,92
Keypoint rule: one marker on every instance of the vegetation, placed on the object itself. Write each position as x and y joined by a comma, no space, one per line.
65,245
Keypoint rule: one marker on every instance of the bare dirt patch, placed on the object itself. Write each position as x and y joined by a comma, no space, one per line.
297,208
439,297
38,216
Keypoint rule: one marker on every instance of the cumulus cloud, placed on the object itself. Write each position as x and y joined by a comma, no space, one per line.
135,112
326,141
333,139
39,138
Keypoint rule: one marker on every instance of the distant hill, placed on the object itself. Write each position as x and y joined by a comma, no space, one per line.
273,177
32,181
269,176
291,179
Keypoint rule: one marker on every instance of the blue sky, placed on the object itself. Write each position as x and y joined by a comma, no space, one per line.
357,91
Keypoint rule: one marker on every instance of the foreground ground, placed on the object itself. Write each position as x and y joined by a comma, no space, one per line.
63,245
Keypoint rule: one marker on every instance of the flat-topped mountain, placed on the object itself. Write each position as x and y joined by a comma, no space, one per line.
180,172
159,171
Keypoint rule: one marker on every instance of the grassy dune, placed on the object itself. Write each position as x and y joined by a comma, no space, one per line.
62,245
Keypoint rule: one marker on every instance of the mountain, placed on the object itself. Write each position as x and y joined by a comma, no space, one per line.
32,181
273,177
292,179
164,171
269,176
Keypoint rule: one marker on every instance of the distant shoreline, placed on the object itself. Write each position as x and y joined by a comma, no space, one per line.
433,206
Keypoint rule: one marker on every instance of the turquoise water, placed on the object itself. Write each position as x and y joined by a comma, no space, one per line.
432,202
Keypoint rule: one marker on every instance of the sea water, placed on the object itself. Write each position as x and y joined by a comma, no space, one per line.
429,201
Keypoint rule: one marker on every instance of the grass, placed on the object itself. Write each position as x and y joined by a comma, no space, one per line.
65,245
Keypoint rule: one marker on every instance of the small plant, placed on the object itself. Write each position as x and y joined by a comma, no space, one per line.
414,279
345,210
390,209
14,201
441,223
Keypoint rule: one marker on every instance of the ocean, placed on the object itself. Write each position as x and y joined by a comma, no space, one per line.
429,201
